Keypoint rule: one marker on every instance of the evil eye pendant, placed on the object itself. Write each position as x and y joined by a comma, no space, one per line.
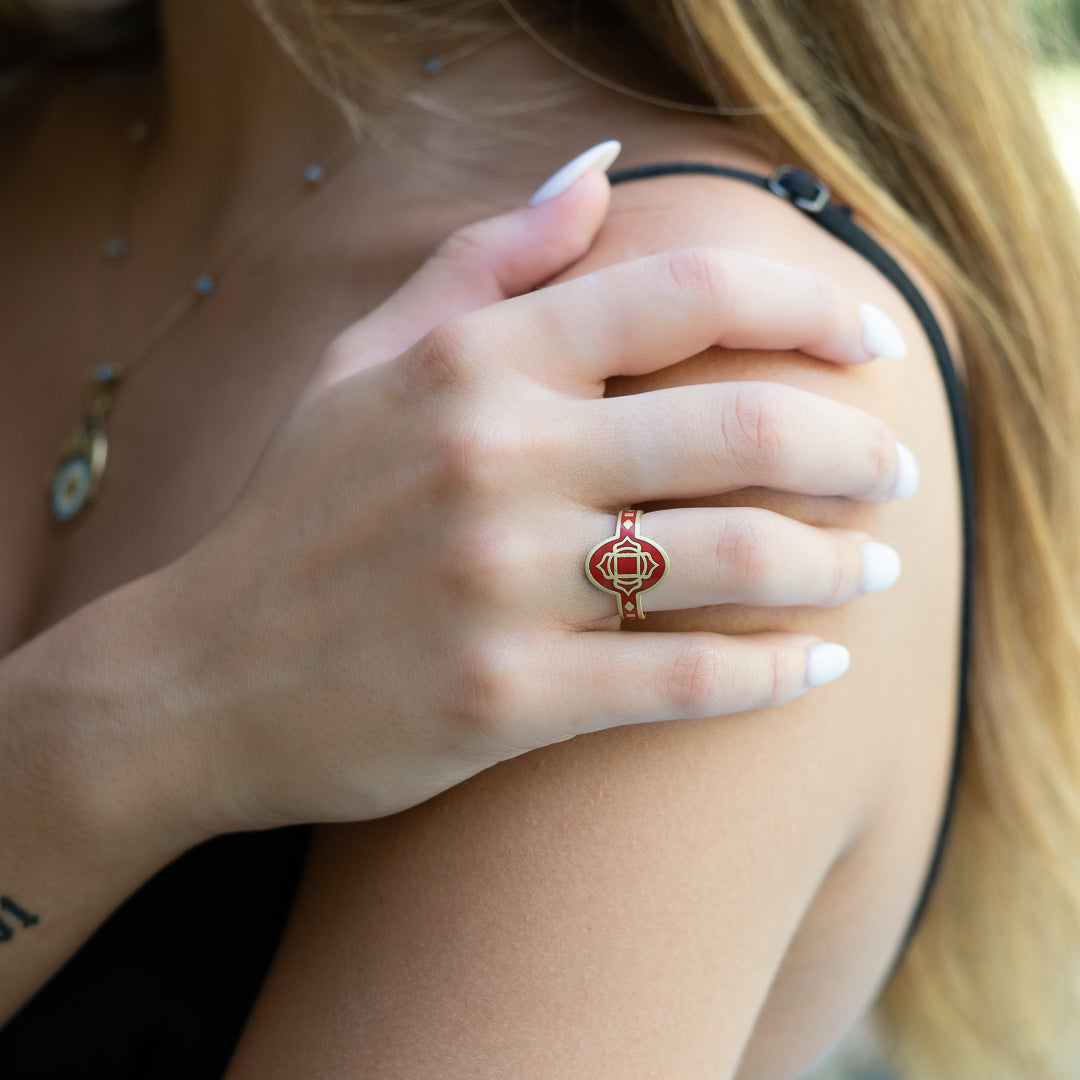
77,477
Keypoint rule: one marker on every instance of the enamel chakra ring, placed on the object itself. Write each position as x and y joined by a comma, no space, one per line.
627,565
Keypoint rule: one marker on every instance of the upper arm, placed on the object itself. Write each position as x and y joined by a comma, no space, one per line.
621,905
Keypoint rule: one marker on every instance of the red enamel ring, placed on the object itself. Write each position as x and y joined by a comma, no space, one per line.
627,565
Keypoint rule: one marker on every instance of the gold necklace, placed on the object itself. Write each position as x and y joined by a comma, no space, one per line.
75,482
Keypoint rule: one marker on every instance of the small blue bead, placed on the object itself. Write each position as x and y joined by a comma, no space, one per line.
114,248
313,174
204,284
433,65
105,373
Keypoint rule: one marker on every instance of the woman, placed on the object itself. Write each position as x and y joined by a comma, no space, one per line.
692,898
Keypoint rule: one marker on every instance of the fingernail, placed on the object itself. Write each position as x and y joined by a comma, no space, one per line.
880,335
881,566
907,473
600,157
826,662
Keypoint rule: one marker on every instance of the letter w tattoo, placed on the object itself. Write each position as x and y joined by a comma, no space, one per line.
24,916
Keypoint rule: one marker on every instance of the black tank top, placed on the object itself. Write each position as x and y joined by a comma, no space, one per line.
163,989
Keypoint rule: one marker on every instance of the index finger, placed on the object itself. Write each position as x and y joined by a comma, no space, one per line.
647,314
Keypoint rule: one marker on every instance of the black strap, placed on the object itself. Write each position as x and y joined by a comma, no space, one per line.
811,196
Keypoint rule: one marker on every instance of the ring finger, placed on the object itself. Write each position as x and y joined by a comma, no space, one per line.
747,555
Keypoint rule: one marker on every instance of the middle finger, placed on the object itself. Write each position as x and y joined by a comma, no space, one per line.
693,441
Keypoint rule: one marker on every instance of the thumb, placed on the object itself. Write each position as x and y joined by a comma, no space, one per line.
480,264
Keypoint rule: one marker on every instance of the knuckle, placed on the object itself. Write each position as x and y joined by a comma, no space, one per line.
770,674
845,575
706,276
490,690
783,675
447,356
479,568
826,310
752,424
697,677
880,456
744,548
476,454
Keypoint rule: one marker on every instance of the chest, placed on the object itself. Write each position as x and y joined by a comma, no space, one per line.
186,425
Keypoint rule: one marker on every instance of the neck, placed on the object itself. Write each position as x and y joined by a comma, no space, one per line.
232,102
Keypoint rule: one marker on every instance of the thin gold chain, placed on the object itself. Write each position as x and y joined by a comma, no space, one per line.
76,479
114,248
207,282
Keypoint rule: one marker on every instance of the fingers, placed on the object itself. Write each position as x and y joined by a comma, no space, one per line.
715,555
478,265
647,314
746,555
692,441
610,678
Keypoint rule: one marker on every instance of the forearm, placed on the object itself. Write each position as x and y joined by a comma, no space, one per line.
91,785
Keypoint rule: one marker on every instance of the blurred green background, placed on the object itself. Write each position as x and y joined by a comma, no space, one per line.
1056,29
1056,25
1059,94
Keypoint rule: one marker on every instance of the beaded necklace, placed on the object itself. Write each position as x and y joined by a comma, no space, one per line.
75,482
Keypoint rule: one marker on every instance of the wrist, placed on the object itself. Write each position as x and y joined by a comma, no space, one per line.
97,726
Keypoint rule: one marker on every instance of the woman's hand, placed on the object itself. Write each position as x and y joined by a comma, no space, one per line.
397,601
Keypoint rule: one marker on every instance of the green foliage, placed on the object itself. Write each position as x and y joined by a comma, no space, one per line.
1056,25
1071,13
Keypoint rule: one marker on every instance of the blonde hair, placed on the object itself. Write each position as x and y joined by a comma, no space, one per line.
921,115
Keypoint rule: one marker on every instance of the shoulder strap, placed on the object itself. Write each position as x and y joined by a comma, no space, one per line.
812,197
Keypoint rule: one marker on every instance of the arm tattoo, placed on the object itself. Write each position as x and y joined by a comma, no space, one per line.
20,913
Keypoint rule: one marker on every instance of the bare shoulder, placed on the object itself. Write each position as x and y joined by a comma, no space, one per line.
894,715
664,897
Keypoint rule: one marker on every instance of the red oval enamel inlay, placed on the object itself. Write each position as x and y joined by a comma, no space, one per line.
627,565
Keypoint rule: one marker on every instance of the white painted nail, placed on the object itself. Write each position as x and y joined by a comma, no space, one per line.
881,336
600,157
881,566
826,662
907,473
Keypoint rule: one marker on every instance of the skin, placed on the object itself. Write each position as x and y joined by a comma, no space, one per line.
632,896
626,906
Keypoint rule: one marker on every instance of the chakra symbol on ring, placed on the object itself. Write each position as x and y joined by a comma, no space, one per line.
627,565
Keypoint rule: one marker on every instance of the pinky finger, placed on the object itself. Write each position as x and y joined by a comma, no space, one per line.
611,678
